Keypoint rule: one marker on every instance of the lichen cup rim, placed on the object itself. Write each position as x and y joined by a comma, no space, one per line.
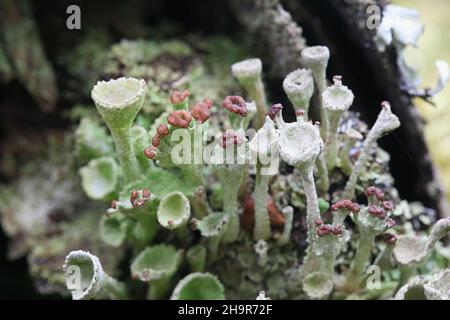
112,85
156,262
315,54
251,67
198,276
337,97
295,151
97,270
177,218
299,80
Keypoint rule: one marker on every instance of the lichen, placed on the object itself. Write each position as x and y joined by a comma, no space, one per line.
198,201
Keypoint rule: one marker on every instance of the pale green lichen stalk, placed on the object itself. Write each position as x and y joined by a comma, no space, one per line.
299,87
336,100
352,136
316,59
300,144
249,74
385,123
119,101
264,145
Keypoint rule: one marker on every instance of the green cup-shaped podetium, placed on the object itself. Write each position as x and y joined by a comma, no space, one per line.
299,87
414,250
385,123
86,279
247,71
114,229
432,287
199,286
211,225
249,74
174,210
336,99
316,58
119,100
156,262
99,178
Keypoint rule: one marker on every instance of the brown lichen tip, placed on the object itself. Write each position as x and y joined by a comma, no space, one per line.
230,138
113,208
179,118
300,112
390,222
337,79
345,204
274,110
156,140
376,211
201,111
276,217
318,222
390,239
150,152
114,204
236,104
388,205
326,229
139,197
375,192
162,130
337,230
178,97
385,104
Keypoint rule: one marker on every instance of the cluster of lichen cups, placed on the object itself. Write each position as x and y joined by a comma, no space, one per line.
144,203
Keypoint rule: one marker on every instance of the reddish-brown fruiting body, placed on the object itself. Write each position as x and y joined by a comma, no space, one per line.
389,238
156,140
337,230
390,222
162,130
324,230
346,204
385,104
300,112
150,152
376,211
318,222
276,217
179,118
388,205
236,104
200,112
273,110
146,194
177,97
375,192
